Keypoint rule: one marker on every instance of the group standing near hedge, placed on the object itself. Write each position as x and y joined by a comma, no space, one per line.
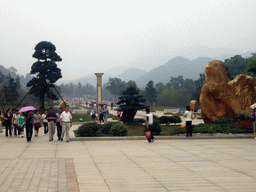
103,114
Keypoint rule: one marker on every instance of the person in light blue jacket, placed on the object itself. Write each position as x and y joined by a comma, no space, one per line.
106,112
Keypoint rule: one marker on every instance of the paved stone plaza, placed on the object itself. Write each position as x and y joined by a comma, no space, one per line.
116,166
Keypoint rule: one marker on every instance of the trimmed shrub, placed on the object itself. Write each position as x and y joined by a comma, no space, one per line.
170,119
243,124
105,129
119,129
89,130
139,121
176,119
155,117
156,128
165,120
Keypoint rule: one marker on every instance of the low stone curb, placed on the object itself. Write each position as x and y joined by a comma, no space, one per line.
244,136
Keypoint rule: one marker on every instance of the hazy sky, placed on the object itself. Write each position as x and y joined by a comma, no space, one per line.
93,36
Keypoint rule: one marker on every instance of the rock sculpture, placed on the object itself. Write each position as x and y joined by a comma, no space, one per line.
63,105
221,98
194,105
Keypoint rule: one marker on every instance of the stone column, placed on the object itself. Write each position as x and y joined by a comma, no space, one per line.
99,89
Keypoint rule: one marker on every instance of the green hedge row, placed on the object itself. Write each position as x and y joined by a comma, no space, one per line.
95,129
170,119
220,126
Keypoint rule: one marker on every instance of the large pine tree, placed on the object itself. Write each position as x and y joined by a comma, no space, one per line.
150,93
130,102
45,70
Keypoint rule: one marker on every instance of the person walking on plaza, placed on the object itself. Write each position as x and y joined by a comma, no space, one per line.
37,122
1,119
92,114
66,123
8,119
254,121
51,117
101,115
59,127
20,124
189,116
13,114
45,122
106,112
15,122
150,120
29,125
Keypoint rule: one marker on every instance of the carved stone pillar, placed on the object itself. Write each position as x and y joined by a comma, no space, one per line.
99,89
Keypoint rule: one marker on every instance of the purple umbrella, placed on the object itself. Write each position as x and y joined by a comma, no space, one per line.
28,108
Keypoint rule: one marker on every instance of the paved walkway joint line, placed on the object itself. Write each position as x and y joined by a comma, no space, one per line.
71,176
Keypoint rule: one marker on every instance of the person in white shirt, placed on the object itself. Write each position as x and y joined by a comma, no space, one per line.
189,116
150,120
45,121
66,123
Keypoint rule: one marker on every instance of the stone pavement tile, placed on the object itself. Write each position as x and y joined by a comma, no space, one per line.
93,188
191,187
142,188
71,176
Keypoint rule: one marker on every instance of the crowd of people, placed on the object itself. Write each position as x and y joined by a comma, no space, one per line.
103,113
15,122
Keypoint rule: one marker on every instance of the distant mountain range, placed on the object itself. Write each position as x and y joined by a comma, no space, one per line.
163,73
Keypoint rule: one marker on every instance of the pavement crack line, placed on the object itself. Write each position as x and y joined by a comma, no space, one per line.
215,161
237,157
97,167
139,166
25,148
182,165
9,173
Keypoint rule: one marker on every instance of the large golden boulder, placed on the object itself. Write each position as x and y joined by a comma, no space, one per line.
221,98
63,104
194,105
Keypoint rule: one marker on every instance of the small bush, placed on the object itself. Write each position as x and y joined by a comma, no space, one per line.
165,120
139,121
168,113
176,119
243,124
88,130
105,129
156,128
155,117
119,129
170,119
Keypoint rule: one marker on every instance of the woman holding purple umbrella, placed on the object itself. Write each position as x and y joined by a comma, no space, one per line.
29,119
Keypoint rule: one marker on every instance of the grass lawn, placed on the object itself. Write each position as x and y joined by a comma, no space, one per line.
85,117
166,130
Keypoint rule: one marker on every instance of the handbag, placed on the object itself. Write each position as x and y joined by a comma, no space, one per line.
148,134
38,125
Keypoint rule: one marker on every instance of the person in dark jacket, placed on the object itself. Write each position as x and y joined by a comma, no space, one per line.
8,119
29,125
